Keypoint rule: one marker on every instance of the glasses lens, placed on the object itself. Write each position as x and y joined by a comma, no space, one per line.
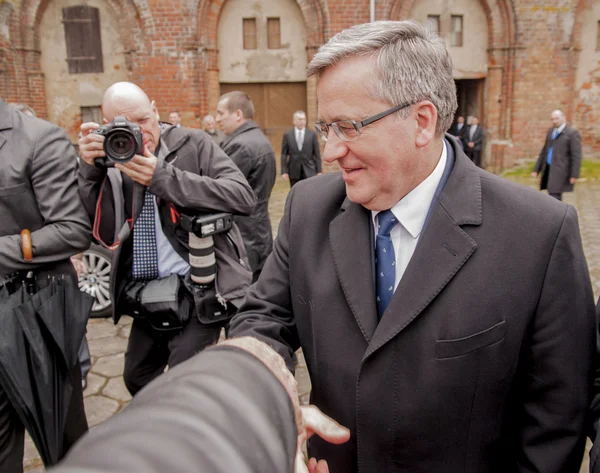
322,130
345,130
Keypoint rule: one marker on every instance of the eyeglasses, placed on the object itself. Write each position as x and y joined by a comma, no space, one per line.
349,130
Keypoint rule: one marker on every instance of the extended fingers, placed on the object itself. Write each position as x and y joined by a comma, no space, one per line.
315,422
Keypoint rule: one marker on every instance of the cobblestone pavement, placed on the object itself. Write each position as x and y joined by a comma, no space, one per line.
106,393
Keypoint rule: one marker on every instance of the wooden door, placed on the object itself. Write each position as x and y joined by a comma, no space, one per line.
274,106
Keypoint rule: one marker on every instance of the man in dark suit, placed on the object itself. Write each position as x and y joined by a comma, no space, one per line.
459,128
560,158
473,141
251,151
300,153
38,192
446,315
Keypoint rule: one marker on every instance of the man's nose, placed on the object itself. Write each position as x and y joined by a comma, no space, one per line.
335,148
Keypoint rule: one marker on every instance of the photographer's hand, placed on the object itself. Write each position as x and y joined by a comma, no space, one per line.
90,144
140,168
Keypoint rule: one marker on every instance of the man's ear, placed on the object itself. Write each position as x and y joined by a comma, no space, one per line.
239,114
426,117
155,110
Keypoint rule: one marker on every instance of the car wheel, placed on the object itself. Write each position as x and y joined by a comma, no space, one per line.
96,279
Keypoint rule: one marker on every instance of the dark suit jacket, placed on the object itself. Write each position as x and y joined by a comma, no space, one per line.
477,138
482,361
297,162
454,131
222,411
38,191
566,159
251,151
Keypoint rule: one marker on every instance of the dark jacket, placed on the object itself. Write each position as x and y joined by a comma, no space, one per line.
297,162
221,411
250,150
566,159
195,176
38,191
482,360
477,139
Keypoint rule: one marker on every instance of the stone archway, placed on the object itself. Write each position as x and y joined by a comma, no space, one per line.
586,74
316,21
502,43
134,20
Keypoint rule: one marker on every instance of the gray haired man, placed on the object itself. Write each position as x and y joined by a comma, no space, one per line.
300,153
445,314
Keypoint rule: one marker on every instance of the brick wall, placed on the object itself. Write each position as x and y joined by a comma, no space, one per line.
170,51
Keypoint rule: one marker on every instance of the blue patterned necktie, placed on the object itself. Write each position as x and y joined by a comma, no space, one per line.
385,262
549,157
145,254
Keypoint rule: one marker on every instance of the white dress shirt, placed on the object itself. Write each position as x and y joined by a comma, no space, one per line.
299,138
411,213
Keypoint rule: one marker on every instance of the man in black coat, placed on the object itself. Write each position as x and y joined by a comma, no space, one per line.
473,141
300,153
446,315
181,172
251,151
560,158
459,128
38,192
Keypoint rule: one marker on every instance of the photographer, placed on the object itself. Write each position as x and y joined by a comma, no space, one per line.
181,172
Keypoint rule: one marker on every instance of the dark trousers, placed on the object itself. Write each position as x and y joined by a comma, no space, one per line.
12,432
295,181
544,184
150,351
474,155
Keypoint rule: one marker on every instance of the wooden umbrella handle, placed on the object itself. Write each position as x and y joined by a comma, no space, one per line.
26,245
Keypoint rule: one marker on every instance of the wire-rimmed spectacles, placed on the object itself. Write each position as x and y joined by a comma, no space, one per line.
349,130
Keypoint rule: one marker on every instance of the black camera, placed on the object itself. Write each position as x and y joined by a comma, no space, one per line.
207,224
201,228
122,141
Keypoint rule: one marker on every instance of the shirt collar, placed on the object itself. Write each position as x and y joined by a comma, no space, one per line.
411,211
561,128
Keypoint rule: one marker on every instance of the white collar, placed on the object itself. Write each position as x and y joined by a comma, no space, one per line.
411,211
561,128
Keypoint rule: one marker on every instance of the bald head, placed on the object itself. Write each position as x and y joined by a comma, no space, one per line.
558,118
124,99
123,92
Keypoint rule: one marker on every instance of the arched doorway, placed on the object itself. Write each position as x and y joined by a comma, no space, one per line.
262,51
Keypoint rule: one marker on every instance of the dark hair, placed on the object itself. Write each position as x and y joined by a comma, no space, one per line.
238,100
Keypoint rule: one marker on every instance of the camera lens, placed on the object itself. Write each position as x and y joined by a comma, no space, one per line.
120,146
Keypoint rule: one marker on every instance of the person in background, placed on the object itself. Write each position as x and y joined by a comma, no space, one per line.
251,151
300,153
175,119
208,125
560,158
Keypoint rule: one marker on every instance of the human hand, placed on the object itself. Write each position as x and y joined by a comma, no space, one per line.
471,144
91,145
534,174
315,422
573,180
286,176
79,265
140,168
309,419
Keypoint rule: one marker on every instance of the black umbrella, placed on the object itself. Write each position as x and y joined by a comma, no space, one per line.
43,332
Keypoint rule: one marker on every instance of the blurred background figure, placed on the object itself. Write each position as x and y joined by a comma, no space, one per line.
208,125
175,118
300,153
23,108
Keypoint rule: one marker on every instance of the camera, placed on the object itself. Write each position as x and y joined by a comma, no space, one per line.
201,228
122,141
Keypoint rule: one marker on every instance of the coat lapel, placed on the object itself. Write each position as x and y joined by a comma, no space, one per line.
443,248
351,246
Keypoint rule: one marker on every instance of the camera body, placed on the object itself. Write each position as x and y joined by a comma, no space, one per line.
206,225
122,141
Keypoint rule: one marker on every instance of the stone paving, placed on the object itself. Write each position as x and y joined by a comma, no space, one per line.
106,393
